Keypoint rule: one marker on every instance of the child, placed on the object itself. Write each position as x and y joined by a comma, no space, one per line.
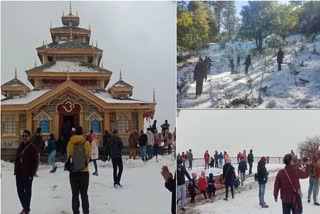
203,186
236,184
211,187
192,187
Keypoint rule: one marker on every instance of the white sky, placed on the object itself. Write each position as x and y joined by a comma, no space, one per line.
137,37
267,132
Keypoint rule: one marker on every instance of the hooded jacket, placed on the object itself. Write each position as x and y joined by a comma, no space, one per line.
202,183
27,160
262,172
150,138
116,146
75,139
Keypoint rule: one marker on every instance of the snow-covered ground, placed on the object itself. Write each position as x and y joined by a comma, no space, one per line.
143,190
246,199
222,87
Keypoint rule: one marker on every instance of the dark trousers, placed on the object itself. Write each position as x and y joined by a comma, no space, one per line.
24,189
250,168
287,208
169,149
79,184
227,190
216,163
279,66
246,69
193,195
211,191
117,163
204,192
199,86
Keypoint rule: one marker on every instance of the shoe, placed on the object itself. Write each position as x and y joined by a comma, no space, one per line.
226,199
36,175
207,200
94,173
232,196
316,203
183,209
264,205
117,186
308,200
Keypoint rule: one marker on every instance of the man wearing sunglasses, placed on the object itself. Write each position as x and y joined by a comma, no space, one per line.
25,167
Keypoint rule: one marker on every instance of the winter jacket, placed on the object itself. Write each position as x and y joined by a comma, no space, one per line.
154,128
220,156
75,139
143,139
248,61
106,141
202,183
51,145
150,138
181,172
165,126
317,171
211,186
95,149
133,140
206,157
192,186
27,160
250,157
171,186
116,146
242,167
280,57
228,174
283,184
190,156
262,172
216,156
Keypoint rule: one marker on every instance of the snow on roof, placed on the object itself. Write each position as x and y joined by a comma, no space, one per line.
109,99
14,82
121,83
32,95
59,66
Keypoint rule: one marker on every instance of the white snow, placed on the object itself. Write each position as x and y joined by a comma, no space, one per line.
222,87
105,96
32,95
63,66
143,189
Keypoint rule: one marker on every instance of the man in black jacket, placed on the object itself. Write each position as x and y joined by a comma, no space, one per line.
143,139
116,146
181,187
250,161
279,58
262,180
170,184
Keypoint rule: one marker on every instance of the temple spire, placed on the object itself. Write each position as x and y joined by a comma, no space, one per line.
35,62
15,73
120,75
102,64
154,95
70,9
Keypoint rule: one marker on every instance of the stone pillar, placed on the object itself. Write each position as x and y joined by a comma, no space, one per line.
106,120
140,121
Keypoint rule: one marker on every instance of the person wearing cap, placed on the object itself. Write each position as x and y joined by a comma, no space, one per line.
228,176
181,187
287,182
262,180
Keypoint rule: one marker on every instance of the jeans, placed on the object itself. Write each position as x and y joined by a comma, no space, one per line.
313,188
184,163
95,165
242,177
250,168
143,153
220,163
279,66
287,208
155,150
79,182
190,164
24,189
181,194
149,151
52,158
262,189
117,163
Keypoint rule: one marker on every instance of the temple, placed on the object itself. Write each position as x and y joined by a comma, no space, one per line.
70,89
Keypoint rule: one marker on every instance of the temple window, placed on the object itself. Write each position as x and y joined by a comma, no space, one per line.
134,123
113,121
43,121
9,126
123,122
22,122
95,122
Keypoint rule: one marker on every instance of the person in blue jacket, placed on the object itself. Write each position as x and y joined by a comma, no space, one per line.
52,153
220,157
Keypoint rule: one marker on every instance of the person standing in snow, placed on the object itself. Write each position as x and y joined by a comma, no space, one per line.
203,186
287,181
95,152
242,167
262,174
38,141
207,62
250,161
170,184
143,139
25,168
190,159
106,144
181,187
116,146
150,144
192,187
183,158
314,179
211,186
199,75
154,127
206,157
216,158
164,127
228,176
79,178
231,65
52,152
169,140
279,58
247,63
220,157
133,144
158,140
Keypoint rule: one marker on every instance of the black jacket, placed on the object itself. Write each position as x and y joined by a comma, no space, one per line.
143,139
116,146
228,174
171,186
180,175
27,160
262,172
280,57
250,157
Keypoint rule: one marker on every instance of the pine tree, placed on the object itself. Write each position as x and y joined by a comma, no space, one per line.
229,19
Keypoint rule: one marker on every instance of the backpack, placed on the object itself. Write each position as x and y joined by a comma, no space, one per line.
79,160
312,170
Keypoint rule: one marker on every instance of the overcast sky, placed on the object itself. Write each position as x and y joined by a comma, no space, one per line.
267,132
137,37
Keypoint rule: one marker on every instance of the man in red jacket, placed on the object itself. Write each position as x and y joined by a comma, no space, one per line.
206,159
287,181
25,167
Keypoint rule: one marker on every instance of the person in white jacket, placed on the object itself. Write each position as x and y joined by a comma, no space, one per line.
95,152
150,144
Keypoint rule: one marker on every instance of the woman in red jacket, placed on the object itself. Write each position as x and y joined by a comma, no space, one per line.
202,184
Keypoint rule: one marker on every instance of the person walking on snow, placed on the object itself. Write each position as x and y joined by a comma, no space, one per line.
279,58
206,157
190,159
192,187
116,146
216,157
250,161
262,174
95,152
143,139
228,176
211,186
133,144
150,144
314,179
242,167
247,63
106,144
52,152
181,187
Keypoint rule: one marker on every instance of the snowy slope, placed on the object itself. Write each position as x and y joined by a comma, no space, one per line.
143,189
222,87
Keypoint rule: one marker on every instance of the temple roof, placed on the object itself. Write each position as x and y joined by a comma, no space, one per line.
121,83
14,82
68,28
59,66
30,96
69,44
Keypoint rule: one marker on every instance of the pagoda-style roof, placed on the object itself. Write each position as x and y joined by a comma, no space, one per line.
122,83
14,87
69,44
14,82
60,66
